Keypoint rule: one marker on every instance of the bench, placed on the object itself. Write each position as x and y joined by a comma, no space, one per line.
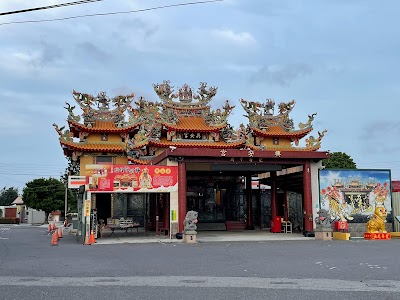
235,225
121,224
161,229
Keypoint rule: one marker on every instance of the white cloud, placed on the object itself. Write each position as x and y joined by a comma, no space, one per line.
238,38
242,68
282,74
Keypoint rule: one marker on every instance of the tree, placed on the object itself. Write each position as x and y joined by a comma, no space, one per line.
73,168
339,160
45,194
8,195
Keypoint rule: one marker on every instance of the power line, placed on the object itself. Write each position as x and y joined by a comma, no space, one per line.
47,7
26,164
29,174
112,13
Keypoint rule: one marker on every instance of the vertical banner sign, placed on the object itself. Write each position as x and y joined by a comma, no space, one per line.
87,216
173,215
87,208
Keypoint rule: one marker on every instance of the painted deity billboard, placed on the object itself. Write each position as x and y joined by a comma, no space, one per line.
353,195
131,178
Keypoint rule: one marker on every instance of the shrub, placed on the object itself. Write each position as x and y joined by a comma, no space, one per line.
9,220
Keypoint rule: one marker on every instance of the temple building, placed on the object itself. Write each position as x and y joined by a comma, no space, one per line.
216,164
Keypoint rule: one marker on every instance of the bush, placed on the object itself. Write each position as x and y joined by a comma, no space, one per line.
9,220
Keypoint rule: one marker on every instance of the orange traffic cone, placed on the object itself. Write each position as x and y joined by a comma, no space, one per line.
92,239
54,240
87,239
60,233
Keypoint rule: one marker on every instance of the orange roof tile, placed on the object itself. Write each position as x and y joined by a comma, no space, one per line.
140,144
101,126
138,161
278,131
196,144
95,147
280,148
193,124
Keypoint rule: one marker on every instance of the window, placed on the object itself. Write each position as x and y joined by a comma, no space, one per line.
104,137
104,159
276,141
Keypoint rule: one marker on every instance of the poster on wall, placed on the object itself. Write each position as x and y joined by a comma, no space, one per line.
353,195
132,178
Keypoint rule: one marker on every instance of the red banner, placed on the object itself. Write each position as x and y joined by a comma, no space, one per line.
132,178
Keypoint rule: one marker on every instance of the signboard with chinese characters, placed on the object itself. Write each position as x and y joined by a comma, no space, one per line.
87,208
354,195
192,135
74,182
132,178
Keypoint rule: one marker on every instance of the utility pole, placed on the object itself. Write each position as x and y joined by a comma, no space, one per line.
66,197
65,201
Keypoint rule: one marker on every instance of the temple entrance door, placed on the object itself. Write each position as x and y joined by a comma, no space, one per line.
103,205
157,212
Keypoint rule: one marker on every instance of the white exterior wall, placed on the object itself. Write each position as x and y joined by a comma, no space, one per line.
173,204
35,216
396,209
315,167
2,211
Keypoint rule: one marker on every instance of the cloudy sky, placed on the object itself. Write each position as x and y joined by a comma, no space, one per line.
337,58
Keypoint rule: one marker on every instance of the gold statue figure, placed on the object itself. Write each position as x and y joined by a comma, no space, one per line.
377,221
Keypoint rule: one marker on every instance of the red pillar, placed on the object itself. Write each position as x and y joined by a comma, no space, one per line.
308,224
274,196
182,203
249,198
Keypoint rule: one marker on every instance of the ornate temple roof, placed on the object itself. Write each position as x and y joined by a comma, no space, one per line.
114,147
193,124
263,121
191,105
100,126
97,108
279,131
183,111
182,119
164,143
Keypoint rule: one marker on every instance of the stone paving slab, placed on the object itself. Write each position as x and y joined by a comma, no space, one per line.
206,237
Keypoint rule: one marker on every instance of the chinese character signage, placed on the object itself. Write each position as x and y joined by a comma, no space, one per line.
132,178
87,208
74,182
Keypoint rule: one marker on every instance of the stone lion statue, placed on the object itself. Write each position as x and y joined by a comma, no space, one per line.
190,221
323,219
377,221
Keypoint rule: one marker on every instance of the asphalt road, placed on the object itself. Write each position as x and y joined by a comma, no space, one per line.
30,268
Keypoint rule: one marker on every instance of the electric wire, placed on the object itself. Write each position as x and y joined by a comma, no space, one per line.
48,7
111,13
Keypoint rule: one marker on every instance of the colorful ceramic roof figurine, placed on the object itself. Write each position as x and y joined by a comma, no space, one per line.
100,128
182,118
277,132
